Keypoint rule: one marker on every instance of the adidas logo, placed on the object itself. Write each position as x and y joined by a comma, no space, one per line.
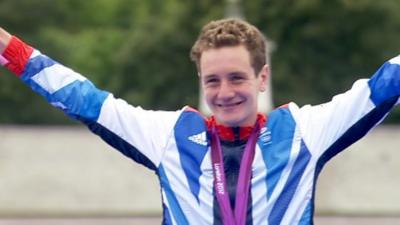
200,138
265,136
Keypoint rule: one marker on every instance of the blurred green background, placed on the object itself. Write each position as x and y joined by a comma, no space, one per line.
139,50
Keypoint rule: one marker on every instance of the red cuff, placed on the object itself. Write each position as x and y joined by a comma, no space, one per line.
17,53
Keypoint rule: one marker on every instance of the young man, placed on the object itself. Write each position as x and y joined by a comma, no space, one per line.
239,166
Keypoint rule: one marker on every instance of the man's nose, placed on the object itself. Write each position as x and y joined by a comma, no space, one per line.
226,90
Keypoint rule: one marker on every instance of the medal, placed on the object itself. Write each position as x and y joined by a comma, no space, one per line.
238,216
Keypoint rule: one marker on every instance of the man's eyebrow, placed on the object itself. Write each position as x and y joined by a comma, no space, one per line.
212,75
237,73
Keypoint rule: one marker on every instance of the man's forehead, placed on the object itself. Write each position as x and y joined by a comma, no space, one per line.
224,57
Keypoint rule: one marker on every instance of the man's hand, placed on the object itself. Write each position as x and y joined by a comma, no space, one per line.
5,37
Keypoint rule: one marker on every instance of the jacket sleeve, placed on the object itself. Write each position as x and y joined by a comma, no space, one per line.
329,128
139,134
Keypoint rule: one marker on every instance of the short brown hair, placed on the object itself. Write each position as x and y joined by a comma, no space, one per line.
231,32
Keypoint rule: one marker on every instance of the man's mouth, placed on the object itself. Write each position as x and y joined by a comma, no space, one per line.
229,105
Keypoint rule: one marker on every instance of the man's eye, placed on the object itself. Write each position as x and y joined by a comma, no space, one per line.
211,81
237,79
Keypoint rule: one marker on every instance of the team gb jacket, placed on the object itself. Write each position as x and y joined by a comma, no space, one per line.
292,148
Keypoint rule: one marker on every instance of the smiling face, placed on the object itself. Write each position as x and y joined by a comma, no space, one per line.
230,85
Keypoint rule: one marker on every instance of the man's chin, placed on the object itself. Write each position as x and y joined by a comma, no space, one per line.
229,122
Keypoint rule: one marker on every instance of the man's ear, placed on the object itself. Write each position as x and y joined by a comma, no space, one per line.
263,76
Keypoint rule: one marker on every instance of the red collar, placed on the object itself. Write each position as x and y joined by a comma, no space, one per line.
228,133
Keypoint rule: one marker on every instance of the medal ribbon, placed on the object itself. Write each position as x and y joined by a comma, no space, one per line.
238,217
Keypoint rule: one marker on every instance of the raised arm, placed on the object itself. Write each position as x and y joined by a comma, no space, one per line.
137,133
331,127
